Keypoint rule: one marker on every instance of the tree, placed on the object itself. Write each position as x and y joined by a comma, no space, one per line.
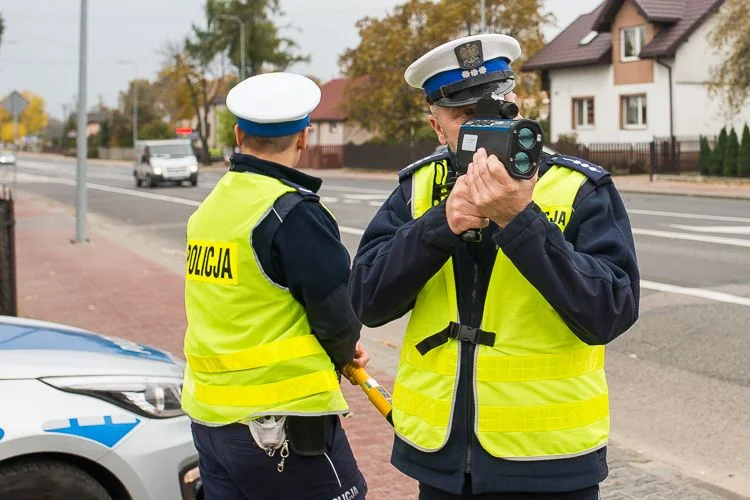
717,155
156,129
225,132
193,69
34,118
703,156
743,163
730,156
379,99
731,36
264,47
6,131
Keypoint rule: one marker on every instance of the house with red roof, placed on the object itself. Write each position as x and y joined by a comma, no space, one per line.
329,121
632,70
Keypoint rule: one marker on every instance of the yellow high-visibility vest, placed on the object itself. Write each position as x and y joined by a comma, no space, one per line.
248,344
540,392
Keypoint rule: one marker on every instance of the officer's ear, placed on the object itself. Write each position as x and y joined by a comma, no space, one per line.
239,135
435,124
302,138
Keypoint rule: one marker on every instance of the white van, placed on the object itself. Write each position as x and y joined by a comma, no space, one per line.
171,160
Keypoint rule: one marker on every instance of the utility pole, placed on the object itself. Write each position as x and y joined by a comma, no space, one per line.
242,40
81,146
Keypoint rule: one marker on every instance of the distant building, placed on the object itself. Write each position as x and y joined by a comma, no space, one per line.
329,121
632,70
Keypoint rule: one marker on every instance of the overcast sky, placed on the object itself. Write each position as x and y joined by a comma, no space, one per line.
39,50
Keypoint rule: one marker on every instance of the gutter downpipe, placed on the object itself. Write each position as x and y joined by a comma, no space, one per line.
671,115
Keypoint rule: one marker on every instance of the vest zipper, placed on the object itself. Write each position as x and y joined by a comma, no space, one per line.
470,371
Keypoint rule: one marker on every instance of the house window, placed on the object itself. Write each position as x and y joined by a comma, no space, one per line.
332,127
583,112
634,111
632,41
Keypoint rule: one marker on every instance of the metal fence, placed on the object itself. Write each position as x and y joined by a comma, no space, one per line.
390,157
8,304
662,155
322,157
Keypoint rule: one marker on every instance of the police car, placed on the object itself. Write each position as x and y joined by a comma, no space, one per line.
91,417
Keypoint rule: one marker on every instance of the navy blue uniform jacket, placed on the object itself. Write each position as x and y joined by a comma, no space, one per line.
589,274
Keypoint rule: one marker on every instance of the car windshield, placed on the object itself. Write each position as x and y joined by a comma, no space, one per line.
171,150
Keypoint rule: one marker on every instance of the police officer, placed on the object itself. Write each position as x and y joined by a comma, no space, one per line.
500,392
269,321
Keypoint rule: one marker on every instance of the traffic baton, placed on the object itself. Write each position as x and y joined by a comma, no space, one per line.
376,393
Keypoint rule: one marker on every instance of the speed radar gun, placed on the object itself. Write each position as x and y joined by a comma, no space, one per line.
376,393
516,143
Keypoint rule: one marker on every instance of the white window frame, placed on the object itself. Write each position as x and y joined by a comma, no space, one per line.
637,45
585,101
642,103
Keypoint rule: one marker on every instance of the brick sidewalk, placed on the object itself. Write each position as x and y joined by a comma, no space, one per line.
108,287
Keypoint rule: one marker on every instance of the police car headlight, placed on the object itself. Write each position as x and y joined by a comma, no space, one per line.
193,168
153,397
157,171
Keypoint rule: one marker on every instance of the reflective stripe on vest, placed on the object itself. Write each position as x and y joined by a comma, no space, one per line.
248,344
539,391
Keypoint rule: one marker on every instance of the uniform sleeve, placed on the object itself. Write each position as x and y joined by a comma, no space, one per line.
590,274
308,256
396,257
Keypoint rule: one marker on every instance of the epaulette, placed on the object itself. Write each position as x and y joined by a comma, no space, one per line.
304,192
594,172
407,171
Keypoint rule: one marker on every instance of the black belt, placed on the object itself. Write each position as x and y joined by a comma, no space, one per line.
462,333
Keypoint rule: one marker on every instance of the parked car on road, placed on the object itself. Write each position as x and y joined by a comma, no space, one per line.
91,417
171,160
7,157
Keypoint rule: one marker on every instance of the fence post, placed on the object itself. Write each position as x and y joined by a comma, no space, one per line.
652,153
8,300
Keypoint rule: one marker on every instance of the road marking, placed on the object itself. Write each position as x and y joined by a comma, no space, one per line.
692,237
690,216
696,292
112,189
352,230
365,196
714,229
357,189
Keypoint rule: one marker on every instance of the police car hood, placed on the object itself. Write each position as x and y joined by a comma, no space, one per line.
34,349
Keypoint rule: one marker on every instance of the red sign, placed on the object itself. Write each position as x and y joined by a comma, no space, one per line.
183,130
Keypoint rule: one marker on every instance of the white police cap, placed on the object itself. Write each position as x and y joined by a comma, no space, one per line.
273,104
458,72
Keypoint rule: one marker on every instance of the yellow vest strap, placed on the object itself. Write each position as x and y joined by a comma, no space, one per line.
268,394
435,412
543,418
254,357
543,367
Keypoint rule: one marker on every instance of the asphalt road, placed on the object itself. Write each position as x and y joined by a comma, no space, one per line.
679,380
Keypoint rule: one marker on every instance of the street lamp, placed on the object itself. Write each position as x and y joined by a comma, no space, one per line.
242,40
135,98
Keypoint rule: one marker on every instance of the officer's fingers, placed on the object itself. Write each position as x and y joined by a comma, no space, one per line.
473,222
478,187
488,178
498,171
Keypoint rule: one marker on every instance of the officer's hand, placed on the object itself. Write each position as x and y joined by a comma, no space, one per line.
461,211
494,191
361,358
